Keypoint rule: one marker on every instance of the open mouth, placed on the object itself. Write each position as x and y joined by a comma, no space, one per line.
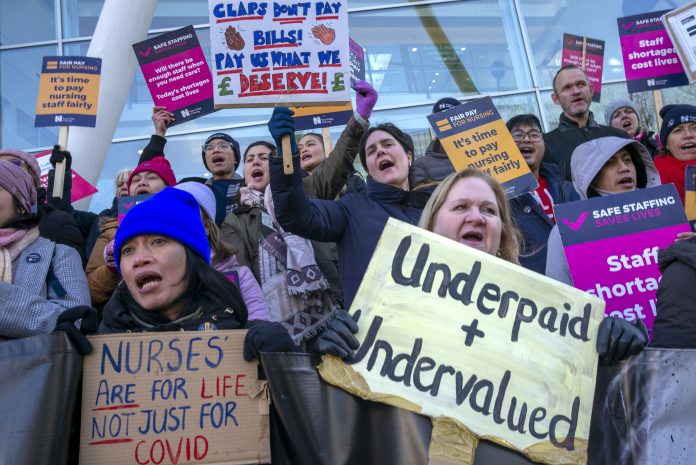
385,165
257,174
218,159
142,190
626,182
689,146
626,124
148,280
526,150
305,156
472,236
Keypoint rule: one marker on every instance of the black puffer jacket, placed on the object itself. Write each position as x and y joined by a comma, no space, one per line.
675,324
435,165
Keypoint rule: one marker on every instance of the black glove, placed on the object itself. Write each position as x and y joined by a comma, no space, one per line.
618,339
282,124
337,338
66,323
58,155
265,336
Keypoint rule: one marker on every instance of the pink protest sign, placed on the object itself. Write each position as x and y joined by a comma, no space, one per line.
611,245
177,74
81,188
588,54
650,60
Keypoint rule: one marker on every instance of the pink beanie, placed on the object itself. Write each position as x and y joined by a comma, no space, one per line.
158,165
25,157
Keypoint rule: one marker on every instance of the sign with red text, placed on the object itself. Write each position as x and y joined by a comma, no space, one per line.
172,398
81,188
281,52
650,60
611,245
175,70
588,54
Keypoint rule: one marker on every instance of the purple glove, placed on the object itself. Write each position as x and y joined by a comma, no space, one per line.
366,98
109,257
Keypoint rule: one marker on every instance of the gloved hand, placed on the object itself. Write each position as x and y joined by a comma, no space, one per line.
66,323
337,338
266,336
281,124
618,339
109,257
365,98
58,155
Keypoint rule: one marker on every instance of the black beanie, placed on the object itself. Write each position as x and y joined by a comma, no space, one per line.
227,138
674,115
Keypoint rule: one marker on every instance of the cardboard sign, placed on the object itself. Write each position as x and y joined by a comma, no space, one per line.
127,202
279,52
81,188
308,118
680,24
68,92
474,136
174,398
588,54
611,245
177,74
650,60
449,331
357,61
690,195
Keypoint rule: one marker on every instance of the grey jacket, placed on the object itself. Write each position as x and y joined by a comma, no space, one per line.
30,305
586,162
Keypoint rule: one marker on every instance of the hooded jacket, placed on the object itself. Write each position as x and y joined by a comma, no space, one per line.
248,286
435,165
587,161
675,324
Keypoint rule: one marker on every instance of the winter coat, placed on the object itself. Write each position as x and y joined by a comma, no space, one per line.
102,281
562,141
533,223
435,165
242,229
252,294
120,316
648,140
354,222
48,279
675,323
588,159
673,171
355,184
59,226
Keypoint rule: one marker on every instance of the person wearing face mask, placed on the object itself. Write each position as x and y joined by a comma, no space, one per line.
604,166
622,114
678,139
533,211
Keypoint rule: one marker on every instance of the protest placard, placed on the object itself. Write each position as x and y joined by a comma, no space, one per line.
690,195
357,61
177,74
283,52
127,202
650,60
81,188
611,245
474,136
308,118
588,54
68,91
172,398
680,24
450,331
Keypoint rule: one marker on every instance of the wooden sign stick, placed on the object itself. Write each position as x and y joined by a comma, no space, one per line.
584,51
59,173
657,100
287,155
328,143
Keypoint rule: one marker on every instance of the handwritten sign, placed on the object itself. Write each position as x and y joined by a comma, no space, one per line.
474,136
172,398
68,92
81,188
266,53
611,245
449,331
588,54
177,74
650,60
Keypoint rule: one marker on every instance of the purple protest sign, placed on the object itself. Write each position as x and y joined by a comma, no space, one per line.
591,59
611,245
357,61
177,74
650,60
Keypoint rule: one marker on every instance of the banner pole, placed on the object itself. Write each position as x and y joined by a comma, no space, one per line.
59,172
657,100
328,143
584,52
287,155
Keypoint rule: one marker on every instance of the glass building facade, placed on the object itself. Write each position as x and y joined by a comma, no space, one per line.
416,53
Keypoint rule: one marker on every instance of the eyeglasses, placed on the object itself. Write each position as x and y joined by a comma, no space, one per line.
221,146
534,136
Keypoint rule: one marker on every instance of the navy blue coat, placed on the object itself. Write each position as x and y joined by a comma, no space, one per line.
533,223
354,223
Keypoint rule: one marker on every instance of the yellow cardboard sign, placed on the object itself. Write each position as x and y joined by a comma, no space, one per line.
172,398
449,331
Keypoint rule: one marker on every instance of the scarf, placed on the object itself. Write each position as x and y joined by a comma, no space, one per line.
12,243
298,295
250,197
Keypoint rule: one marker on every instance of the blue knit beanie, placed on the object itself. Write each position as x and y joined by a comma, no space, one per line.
172,213
674,115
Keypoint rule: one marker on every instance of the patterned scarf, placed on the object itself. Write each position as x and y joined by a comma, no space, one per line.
12,242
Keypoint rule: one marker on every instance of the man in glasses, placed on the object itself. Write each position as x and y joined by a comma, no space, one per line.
533,212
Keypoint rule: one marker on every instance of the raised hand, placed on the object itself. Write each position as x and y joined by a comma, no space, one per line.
161,119
326,35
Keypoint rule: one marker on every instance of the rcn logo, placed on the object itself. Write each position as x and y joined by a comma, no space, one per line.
58,119
317,120
651,83
185,113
